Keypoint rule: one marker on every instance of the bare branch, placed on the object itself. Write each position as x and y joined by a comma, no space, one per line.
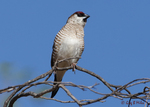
116,91
69,94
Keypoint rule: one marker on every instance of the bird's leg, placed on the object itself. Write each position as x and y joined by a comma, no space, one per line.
73,65
54,69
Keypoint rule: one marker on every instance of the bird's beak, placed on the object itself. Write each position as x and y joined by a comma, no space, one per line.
86,17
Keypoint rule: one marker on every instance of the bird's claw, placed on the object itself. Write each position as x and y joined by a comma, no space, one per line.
73,65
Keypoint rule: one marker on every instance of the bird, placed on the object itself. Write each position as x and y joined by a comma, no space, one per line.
68,43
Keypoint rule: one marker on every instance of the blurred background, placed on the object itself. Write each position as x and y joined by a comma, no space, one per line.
117,46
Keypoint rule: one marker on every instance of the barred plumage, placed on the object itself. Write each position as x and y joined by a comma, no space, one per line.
68,43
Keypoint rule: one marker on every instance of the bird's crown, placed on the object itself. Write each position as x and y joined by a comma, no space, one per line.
78,18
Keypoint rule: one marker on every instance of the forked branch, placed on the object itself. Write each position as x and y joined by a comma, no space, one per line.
116,91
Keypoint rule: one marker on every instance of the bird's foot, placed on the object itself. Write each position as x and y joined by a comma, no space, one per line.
73,65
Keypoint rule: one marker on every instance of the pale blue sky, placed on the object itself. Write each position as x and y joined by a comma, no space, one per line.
117,42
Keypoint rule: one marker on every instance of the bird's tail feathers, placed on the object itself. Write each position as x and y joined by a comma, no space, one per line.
54,92
58,77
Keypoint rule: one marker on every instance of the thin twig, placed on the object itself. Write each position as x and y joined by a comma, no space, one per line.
116,90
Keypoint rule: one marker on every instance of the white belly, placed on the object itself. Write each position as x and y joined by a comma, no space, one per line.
70,48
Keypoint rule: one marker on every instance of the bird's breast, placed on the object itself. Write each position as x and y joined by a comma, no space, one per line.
70,48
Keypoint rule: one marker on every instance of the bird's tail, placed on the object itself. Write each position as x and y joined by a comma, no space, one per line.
58,78
55,91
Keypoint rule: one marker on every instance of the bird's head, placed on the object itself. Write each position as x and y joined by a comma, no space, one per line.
78,18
